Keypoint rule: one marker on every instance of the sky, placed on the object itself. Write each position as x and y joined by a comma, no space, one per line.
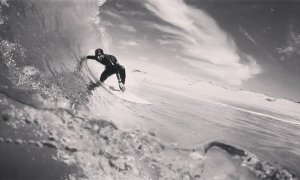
252,45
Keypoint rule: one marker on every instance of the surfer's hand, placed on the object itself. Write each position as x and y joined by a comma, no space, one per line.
122,87
82,58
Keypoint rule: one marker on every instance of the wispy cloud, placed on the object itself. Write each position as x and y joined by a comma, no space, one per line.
113,14
163,42
201,39
248,36
285,52
119,5
101,2
294,41
129,43
128,28
292,47
234,77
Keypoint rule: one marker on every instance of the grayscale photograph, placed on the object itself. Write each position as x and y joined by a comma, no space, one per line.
149,89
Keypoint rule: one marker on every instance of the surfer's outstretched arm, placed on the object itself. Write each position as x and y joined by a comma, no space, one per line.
92,57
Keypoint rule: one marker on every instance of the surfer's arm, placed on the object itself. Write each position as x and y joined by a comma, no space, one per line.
92,57
119,77
121,85
116,66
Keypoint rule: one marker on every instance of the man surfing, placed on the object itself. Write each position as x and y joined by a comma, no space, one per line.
112,66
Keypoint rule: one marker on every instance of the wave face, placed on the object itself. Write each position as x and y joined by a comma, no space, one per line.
44,97
45,38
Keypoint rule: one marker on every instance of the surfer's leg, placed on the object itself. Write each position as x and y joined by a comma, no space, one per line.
105,74
122,73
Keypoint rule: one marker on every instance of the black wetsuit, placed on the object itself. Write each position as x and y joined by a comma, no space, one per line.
112,66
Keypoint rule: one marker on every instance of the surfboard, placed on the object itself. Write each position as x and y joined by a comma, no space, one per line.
94,70
127,96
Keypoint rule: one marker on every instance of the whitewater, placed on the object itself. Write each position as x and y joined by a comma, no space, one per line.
53,127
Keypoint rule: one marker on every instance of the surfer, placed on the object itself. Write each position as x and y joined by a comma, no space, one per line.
112,66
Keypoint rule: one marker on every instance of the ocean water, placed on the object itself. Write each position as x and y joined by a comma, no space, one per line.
191,122
53,127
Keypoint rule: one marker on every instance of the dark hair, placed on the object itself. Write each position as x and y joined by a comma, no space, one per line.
99,51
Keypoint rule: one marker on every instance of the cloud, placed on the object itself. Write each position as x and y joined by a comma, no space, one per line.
114,15
101,2
294,42
235,77
163,42
120,6
202,41
169,30
242,30
292,47
128,28
286,50
129,43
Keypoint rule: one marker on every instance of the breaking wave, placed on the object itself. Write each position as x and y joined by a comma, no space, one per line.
44,91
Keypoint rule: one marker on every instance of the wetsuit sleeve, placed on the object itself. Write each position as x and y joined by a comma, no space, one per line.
114,60
92,57
119,77
117,66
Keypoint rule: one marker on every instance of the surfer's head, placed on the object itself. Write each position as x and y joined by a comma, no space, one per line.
99,52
